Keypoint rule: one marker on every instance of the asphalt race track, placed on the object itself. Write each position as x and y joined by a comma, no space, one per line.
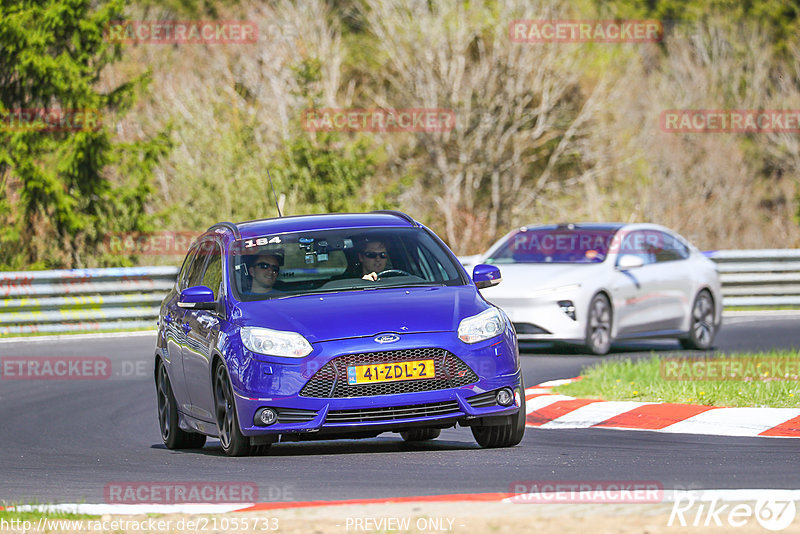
64,441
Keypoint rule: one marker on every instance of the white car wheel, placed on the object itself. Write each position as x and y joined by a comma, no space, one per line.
701,327
598,325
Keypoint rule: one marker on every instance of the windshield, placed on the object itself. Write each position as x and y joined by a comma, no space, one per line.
562,245
291,264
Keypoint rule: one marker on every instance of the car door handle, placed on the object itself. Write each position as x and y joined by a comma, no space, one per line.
186,328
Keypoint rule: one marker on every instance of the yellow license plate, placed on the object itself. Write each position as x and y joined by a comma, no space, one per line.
390,372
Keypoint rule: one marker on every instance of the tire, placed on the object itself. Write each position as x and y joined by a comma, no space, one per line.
171,434
598,326
420,434
701,327
233,442
492,437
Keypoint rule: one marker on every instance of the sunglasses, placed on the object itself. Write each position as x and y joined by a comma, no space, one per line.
372,255
264,265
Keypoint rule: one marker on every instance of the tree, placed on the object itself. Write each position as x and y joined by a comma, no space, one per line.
324,172
519,111
60,197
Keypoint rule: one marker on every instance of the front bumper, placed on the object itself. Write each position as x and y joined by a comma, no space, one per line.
277,383
393,413
542,319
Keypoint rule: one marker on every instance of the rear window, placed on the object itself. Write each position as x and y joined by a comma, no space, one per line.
554,246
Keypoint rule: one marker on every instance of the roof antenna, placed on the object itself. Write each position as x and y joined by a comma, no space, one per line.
273,194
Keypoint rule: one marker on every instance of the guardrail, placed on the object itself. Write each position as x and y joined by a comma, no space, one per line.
82,299
129,297
764,278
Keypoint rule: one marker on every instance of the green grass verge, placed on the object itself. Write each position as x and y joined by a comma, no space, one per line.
658,380
34,516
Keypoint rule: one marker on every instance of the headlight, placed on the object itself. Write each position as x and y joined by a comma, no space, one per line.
485,325
275,342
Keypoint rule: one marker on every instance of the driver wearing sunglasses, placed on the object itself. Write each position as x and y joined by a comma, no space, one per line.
373,258
265,273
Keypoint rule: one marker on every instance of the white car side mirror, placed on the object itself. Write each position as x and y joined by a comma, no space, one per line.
629,261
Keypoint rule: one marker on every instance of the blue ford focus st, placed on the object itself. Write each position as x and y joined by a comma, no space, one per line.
332,326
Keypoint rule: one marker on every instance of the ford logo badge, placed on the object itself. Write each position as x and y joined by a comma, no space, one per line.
387,338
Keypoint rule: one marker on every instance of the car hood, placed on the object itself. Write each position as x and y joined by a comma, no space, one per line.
520,279
351,314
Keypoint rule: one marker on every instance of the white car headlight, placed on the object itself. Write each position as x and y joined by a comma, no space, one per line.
275,342
485,325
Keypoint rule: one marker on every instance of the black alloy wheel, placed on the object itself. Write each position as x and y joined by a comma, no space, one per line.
171,434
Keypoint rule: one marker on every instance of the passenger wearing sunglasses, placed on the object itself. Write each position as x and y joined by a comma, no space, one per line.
373,258
264,272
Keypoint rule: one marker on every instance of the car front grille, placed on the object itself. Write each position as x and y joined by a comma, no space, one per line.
331,380
393,413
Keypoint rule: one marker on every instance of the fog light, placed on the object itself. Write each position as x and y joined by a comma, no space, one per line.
517,400
568,307
265,417
505,397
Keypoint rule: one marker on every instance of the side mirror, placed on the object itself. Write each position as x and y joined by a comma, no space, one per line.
197,298
629,261
486,275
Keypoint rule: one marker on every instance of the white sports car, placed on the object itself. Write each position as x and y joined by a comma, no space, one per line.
596,283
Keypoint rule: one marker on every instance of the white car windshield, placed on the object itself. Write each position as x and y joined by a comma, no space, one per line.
554,246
